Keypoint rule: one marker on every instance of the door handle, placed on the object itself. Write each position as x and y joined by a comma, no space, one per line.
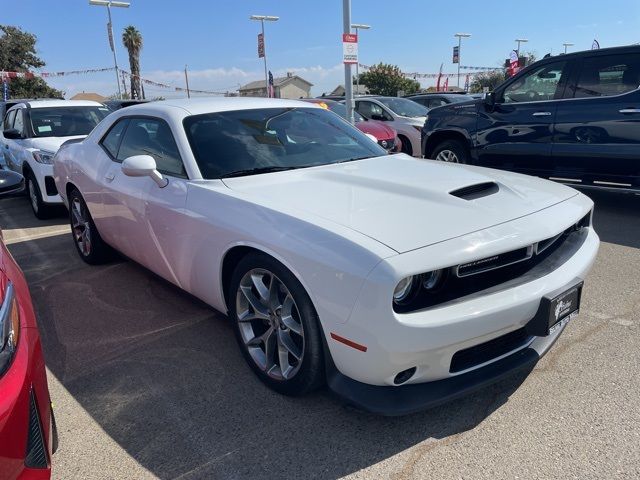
541,114
110,176
629,110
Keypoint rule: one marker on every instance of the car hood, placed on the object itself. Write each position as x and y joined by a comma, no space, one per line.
377,129
52,144
402,202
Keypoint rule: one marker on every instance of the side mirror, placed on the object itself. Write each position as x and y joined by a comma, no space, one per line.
490,99
371,137
12,134
143,166
10,182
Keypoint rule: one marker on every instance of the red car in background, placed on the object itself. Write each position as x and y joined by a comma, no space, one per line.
386,136
28,436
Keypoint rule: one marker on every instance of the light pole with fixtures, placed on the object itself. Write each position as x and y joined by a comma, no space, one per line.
567,45
359,26
262,19
520,40
109,4
460,37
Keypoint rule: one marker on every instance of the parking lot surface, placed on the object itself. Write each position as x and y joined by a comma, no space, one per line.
148,382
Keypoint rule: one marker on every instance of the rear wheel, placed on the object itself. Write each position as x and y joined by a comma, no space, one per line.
87,240
276,325
40,209
452,151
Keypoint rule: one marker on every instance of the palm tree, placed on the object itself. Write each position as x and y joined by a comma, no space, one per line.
132,41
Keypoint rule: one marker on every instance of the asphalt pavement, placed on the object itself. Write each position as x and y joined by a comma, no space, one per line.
148,382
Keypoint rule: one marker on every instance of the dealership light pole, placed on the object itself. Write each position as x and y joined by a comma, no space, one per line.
348,81
359,26
520,40
460,37
262,19
109,4
567,45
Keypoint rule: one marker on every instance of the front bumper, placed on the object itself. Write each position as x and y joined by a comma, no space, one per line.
44,177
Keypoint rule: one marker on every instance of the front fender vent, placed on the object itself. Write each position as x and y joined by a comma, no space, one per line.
479,190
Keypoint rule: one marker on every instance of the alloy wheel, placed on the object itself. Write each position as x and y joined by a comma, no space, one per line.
81,226
270,324
447,156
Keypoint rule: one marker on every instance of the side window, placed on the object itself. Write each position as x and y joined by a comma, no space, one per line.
111,141
436,102
8,120
147,136
364,109
18,123
607,75
537,85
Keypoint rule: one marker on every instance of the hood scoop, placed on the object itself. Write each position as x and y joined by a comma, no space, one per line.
479,190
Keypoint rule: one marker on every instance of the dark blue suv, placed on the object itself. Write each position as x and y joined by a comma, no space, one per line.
573,118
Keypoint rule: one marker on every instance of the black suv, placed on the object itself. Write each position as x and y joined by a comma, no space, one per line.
573,118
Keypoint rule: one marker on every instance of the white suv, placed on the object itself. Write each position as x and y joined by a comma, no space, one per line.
405,116
33,132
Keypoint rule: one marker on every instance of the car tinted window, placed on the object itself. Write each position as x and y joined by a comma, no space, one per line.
111,141
18,122
372,111
8,120
536,85
235,142
65,121
152,136
404,107
608,75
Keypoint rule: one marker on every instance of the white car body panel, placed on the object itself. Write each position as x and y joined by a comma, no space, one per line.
348,232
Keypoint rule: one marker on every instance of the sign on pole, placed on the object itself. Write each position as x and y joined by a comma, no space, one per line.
456,54
349,48
514,63
260,45
5,90
110,33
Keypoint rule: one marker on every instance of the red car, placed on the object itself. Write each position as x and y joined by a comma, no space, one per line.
27,428
386,136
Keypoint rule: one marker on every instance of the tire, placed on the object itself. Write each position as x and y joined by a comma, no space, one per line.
40,209
86,237
406,145
452,151
282,319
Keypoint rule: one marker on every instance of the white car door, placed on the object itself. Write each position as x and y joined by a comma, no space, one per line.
14,148
140,219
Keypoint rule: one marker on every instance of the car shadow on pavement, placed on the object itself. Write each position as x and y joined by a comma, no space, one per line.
161,373
616,217
19,203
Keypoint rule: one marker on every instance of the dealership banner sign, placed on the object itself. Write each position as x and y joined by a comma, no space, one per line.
260,45
349,48
456,54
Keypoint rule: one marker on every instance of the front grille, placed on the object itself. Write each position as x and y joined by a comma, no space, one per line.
387,144
487,351
50,185
497,261
36,450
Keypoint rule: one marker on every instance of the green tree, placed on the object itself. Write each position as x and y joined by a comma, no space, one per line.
18,54
489,79
386,79
132,41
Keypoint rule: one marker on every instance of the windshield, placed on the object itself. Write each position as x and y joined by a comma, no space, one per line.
404,107
247,141
65,121
341,109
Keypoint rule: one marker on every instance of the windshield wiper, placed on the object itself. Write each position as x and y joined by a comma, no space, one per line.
354,159
257,170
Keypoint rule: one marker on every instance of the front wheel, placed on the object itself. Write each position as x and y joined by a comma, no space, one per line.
40,209
452,151
276,325
406,145
87,240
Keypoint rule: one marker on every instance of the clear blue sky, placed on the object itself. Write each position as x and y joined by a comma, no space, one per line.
218,42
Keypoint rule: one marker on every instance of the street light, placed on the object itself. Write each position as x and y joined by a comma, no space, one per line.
262,19
567,45
109,4
460,37
520,40
359,26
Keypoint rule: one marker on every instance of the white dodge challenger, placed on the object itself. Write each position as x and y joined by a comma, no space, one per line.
399,282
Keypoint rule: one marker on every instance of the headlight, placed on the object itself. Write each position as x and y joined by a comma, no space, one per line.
42,156
432,280
9,328
404,289
418,127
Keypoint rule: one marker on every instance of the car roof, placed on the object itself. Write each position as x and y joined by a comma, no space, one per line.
197,106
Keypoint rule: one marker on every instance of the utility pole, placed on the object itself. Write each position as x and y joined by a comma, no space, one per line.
262,19
567,45
186,79
348,81
109,4
460,37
